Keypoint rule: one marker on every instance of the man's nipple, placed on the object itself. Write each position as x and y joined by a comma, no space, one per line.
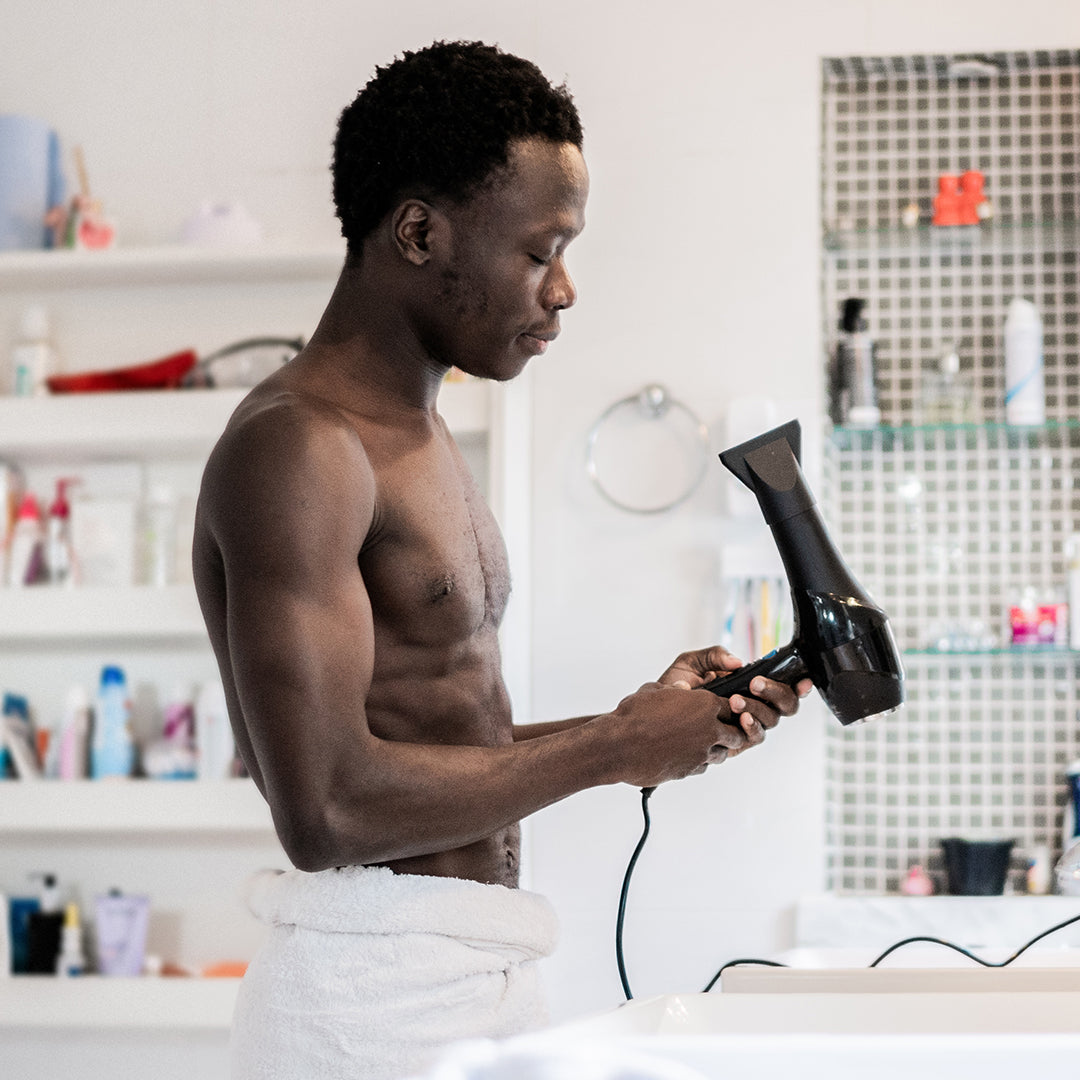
442,588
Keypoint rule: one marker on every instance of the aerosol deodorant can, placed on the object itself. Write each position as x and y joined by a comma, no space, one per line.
1025,393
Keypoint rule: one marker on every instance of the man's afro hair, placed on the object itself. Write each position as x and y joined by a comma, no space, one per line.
439,121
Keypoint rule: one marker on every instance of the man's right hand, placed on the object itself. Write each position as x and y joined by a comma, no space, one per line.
671,732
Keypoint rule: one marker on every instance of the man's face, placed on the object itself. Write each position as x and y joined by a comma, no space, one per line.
505,280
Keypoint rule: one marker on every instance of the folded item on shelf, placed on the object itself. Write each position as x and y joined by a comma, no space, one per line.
163,374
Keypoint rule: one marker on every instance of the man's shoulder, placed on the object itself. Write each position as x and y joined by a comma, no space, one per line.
283,430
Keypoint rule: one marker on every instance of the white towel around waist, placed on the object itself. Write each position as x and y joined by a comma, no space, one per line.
367,974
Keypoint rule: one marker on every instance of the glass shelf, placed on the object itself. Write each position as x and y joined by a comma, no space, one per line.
1012,652
994,436
928,239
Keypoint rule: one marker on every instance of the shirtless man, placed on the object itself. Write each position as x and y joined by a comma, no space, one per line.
351,577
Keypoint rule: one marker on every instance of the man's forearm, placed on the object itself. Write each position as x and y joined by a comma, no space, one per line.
549,727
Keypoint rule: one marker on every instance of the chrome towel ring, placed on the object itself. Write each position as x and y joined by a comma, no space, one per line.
651,404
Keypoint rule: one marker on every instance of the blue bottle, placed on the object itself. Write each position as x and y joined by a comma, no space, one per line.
112,750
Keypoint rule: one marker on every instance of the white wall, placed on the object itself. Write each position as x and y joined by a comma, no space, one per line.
698,269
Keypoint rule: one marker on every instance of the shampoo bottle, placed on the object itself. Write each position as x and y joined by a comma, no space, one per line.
1025,394
112,749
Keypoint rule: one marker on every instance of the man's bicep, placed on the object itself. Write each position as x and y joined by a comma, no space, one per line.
298,619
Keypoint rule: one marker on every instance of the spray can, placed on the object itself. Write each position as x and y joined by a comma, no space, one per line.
1025,393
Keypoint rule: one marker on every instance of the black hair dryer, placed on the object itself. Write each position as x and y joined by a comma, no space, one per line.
842,639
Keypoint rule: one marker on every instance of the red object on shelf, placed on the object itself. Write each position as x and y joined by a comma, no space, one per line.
947,202
971,196
164,374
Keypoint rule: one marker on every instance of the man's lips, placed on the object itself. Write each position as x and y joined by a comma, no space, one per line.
539,340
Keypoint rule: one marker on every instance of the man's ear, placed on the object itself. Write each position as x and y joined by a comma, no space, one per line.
412,225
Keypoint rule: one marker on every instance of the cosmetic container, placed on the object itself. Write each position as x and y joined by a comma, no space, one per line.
1025,393
213,734
32,356
73,754
58,554
26,557
948,396
1072,553
853,390
43,929
71,960
121,922
112,748
5,938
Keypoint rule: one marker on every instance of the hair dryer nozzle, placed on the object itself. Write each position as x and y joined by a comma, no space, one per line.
842,638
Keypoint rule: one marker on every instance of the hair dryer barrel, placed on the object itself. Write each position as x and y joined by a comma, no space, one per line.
842,638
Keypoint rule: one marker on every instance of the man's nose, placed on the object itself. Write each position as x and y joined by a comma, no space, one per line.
561,291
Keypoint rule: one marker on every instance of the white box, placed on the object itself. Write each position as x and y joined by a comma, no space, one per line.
103,534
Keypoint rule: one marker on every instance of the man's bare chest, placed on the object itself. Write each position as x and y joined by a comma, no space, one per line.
434,564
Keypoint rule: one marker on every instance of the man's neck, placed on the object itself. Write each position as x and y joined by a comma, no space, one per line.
366,341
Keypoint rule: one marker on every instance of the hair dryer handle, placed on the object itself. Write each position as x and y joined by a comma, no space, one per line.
782,665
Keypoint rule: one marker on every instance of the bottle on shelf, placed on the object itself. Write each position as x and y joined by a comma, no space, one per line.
947,393
71,960
853,379
158,539
26,557
73,753
112,748
1025,393
214,737
58,553
33,358
1072,553
43,928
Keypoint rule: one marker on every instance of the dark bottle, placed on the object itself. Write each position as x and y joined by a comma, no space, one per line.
852,386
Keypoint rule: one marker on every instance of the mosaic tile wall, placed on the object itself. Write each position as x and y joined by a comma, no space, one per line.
891,126
947,526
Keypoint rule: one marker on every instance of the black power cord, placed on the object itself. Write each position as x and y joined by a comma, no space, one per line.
645,795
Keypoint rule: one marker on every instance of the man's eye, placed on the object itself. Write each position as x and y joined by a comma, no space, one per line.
538,260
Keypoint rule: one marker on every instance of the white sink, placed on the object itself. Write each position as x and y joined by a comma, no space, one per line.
994,1035
997,1009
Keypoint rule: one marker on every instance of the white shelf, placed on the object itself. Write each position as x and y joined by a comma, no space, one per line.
100,1003
169,264
74,808
164,423
42,613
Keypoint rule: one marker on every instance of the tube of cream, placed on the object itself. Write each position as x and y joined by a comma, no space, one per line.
121,922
